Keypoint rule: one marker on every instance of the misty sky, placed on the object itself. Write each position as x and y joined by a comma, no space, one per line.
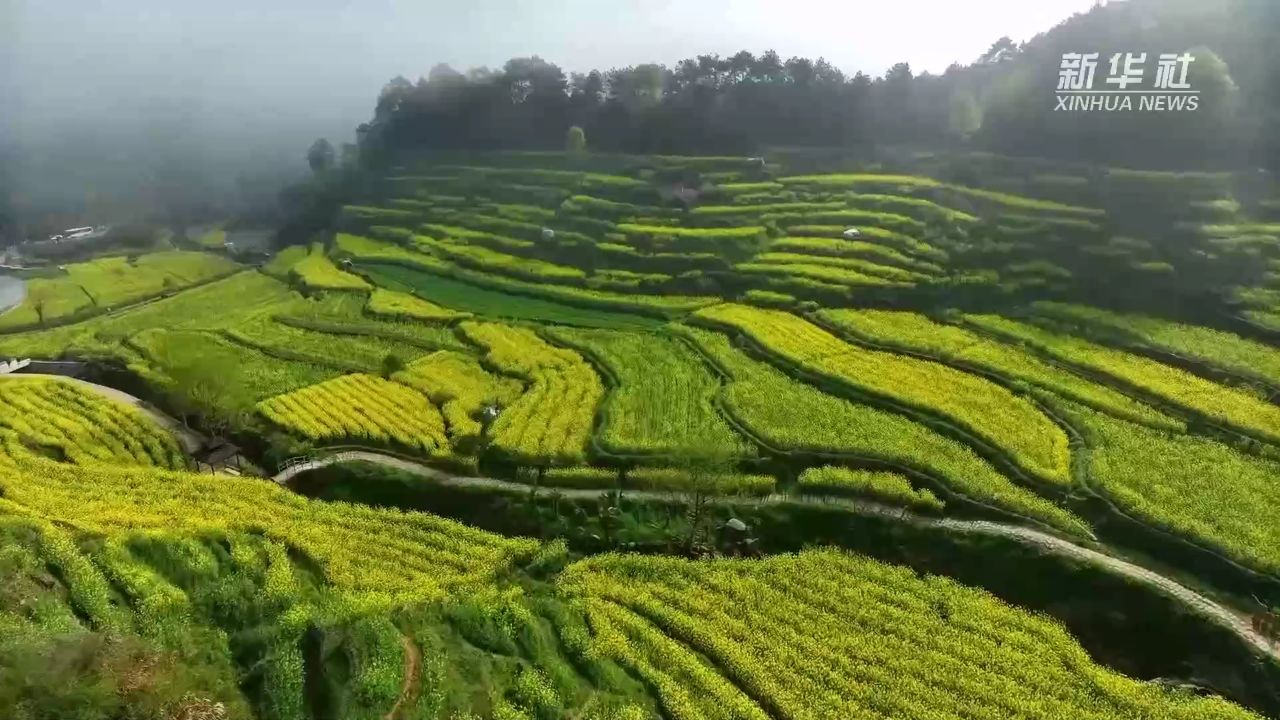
94,94
319,63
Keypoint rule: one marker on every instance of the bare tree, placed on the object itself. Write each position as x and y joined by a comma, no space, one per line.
39,297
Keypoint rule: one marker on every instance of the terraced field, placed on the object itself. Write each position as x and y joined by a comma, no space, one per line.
461,388
1225,350
1194,486
551,423
661,402
392,304
96,286
790,415
641,611
317,272
1232,408
916,333
490,303
58,419
992,412
334,343
361,408
824,635
262,375
671,367
886,487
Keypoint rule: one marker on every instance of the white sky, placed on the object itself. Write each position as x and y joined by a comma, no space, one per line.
322,62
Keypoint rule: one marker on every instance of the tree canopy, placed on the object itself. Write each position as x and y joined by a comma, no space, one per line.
320,156
1002,101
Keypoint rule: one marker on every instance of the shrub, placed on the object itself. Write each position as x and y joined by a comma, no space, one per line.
769,298
714,240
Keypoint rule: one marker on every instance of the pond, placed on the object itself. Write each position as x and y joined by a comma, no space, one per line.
12,291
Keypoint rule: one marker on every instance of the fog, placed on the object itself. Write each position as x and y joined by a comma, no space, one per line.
107,106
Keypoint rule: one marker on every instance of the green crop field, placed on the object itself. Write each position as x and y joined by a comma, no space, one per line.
465,297
1233,408
542,435
918,334
793,416
361,407
1221,349
862,266
994,413
392,304
97,286
1195,486
261,375
317,272
847,248
461,388
854,624
75,425
662,403
552,421
330,349
883,486
857,276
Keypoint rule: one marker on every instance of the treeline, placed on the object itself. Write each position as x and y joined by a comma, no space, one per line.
1003,101
704,105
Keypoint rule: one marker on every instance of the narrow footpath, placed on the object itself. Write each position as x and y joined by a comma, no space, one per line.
1237,622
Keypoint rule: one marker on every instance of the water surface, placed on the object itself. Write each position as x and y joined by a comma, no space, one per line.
12,291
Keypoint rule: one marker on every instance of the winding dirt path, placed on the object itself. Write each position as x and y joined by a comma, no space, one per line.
1233,620
410,685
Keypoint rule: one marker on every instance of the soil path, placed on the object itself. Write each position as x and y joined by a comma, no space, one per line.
1235,621
410,685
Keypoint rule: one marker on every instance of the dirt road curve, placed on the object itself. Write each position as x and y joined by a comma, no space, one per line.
1237,622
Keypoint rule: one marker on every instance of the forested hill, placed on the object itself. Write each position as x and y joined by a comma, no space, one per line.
1236,69
1003,101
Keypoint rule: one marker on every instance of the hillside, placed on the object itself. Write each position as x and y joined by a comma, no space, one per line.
671,436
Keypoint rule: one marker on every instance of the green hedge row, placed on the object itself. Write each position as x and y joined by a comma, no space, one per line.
610,209
873,234
487,260
627,281
364,215
857,218
786,196
724,241
918,208
1050,222
783,207
399,235
501,243
770,298
530,232
627,257
708,163
519,212
583,224
838,247
613,186
549,197
1200,185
